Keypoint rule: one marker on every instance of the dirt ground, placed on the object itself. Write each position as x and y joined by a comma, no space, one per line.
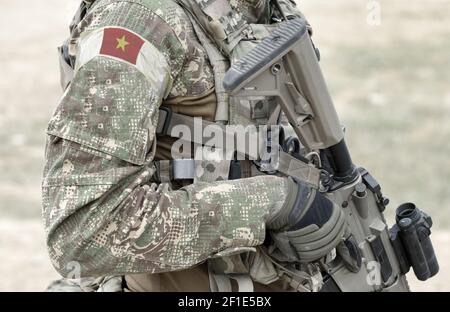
388,74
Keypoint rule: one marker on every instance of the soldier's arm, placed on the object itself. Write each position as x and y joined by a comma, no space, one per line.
100,207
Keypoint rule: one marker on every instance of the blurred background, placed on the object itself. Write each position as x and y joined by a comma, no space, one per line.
387,64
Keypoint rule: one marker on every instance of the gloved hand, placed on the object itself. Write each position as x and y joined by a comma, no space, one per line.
309,223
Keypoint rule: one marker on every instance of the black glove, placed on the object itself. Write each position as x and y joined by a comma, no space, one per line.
309,223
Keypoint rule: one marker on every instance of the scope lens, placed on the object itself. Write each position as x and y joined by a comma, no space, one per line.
407,210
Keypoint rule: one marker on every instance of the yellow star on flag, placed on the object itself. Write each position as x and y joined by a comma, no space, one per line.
122,43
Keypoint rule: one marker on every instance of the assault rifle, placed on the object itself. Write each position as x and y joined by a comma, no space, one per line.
286,66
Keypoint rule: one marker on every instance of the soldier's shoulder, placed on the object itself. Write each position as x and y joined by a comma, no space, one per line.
163,23
166,8
147,13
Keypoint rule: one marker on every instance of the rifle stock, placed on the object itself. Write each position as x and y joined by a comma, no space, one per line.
285,66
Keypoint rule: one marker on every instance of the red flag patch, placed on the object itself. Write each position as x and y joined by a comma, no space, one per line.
120,43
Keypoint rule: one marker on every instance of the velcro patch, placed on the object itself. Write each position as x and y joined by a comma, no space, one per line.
122,44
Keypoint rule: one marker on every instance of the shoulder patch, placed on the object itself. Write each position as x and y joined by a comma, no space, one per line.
121,43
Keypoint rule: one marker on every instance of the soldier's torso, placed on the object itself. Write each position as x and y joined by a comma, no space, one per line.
198,90
193,93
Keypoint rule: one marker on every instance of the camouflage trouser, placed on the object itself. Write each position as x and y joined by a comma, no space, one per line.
102,284
165,282
181,281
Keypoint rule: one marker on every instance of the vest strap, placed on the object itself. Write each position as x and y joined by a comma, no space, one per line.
285,162
222,282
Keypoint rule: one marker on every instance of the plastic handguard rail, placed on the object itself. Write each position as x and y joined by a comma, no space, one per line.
270,48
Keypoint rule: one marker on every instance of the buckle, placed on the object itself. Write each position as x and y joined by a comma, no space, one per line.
165,116
183,169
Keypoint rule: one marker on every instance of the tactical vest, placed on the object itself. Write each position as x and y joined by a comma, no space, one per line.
226,37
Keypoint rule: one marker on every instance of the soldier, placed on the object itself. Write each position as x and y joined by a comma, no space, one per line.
111,206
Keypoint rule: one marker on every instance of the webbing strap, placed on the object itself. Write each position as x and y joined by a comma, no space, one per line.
218,283
220,66
164,171
244,281
169,121
222,282
186,169
291,166
286,163
219,61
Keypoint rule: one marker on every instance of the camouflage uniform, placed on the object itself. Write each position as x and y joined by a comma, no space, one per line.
102,205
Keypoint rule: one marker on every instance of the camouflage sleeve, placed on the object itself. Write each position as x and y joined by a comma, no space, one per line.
100,207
